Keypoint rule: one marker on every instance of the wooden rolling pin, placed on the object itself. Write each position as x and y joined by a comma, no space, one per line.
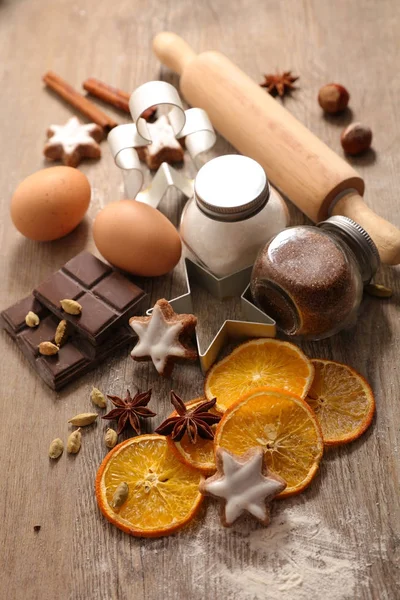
309,173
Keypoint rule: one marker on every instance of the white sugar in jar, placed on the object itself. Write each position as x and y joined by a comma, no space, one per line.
233,213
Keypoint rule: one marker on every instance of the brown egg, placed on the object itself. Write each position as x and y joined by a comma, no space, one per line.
50,203
137,238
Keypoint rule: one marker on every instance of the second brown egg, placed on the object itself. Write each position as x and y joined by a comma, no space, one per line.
137,238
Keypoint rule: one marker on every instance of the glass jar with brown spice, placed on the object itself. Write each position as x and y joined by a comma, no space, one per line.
310,278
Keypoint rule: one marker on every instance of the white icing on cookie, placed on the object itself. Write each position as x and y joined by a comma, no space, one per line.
243,486
162,136
158,339
71,135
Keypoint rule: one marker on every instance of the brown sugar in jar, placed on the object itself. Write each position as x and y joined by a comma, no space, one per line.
310,279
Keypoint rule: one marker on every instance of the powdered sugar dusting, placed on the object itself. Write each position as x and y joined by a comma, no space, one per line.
296,557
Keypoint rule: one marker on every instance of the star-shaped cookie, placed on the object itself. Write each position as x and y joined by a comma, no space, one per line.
164,337
73,141
164,146
244,484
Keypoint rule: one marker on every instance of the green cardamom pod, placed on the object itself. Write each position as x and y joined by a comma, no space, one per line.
72,307
98,398
379,291
74,442
120,495
83,419
56,448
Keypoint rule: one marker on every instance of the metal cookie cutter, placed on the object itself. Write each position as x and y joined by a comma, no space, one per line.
257,323
192,124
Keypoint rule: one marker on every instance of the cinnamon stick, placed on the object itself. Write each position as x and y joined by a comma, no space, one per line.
113,96
107,93
70,95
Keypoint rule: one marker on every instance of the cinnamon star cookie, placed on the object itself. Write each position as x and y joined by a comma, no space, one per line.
244,484
164,146
73,142
164,337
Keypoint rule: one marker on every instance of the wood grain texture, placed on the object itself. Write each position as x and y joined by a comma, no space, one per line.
77,554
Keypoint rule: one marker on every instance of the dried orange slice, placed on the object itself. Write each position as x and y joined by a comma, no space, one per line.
258,363
163,493
342,401
199,455
284,426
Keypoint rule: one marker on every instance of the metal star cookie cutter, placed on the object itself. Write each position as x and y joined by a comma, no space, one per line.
165,178
257,324
192,124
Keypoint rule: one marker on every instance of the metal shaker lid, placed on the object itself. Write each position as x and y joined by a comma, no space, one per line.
231,188
359,241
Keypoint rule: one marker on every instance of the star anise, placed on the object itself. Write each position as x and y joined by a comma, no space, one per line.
279,83
195,421
130,409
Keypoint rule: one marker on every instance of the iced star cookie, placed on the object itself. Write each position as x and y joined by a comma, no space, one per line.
164,146
73,142
164,337
244,484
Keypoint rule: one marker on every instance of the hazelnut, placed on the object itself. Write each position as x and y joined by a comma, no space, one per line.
333,98
356,138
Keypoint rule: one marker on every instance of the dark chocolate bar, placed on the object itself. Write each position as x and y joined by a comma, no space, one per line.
73,359
108,299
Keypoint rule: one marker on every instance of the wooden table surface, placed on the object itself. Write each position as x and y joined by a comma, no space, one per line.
338,540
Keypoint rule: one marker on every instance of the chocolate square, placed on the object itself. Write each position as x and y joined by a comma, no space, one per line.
58,287
95,315
44,332
118,291
15,315
87,269
68,358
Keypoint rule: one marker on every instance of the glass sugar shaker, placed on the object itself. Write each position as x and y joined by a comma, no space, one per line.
310,279
232,214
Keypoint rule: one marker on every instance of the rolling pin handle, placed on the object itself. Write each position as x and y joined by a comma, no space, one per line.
173,51
385,235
